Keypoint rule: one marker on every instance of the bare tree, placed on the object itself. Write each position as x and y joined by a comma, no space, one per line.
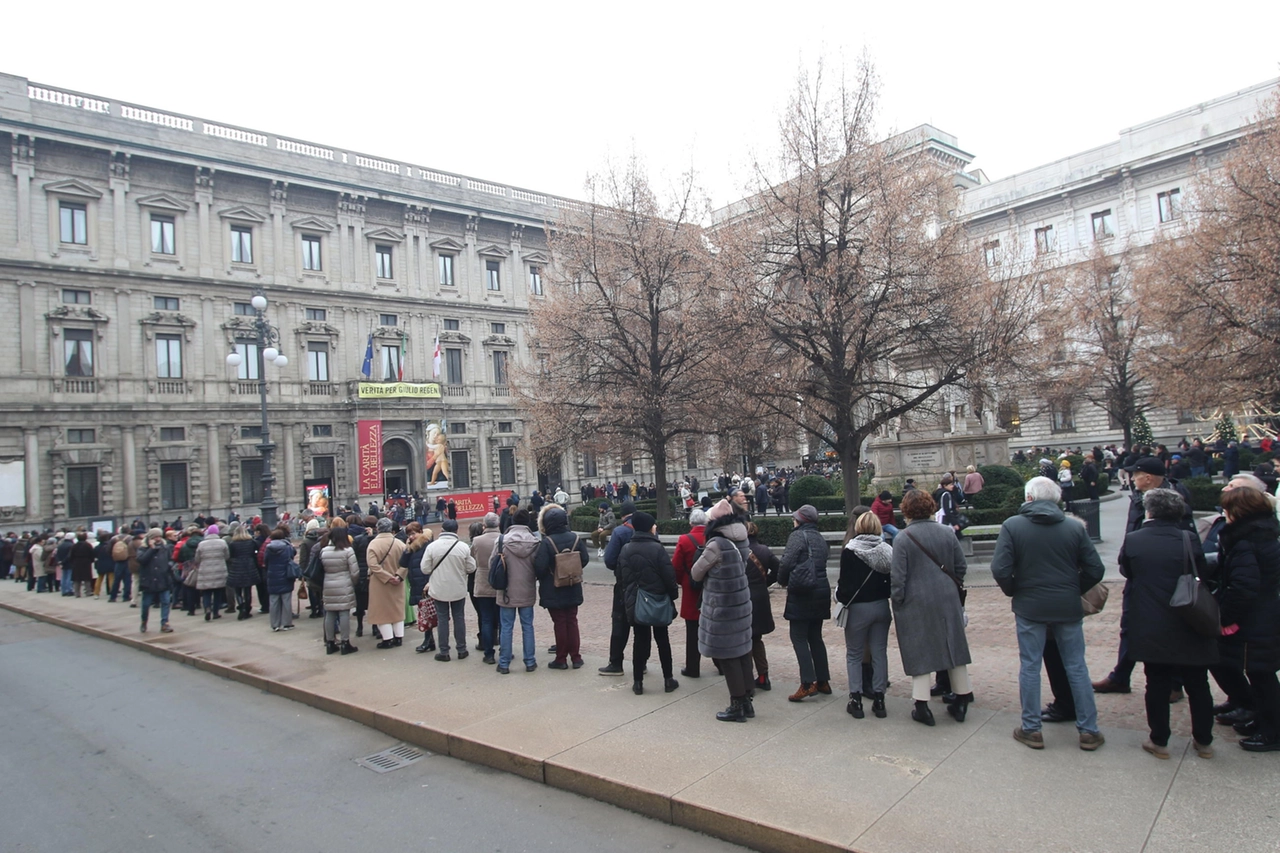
868,294
1214,289
628,340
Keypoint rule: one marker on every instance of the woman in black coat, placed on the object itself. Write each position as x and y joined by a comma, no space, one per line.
562,602
1248,596
645,564
762,570
242,568
1152,558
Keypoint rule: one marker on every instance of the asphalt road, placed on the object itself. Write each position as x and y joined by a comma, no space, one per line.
108,749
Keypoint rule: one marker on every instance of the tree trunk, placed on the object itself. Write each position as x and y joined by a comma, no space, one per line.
849,459
1128,437
663,512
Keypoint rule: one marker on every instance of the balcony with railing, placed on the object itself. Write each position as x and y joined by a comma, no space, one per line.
69,385
170,386
501,390
456,390
318,389
242,386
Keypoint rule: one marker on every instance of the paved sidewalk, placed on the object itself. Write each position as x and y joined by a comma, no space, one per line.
799,777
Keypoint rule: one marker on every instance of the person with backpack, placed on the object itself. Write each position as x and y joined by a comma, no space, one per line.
803,571
120,568
559,585
448,562
689,548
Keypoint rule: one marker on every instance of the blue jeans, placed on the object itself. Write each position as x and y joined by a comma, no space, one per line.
507,619
487,616
889,532
66,580
149,598
1070,639
122,574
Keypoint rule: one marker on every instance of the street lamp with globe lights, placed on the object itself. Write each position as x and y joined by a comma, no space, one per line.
266,337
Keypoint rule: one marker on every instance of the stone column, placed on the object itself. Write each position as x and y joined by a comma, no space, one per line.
24,169
287,478
124,338
129,476
483,468
281,249
215,467
470,270
119,184
204,200
28,328
31,468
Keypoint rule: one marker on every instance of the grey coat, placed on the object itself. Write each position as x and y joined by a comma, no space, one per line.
724,631
518,545
926,604
211,563
340,572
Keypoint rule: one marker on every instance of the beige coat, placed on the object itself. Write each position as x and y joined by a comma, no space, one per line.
211,563
482,549
448,561
386,580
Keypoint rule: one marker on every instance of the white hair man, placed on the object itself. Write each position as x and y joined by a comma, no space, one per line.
1043,562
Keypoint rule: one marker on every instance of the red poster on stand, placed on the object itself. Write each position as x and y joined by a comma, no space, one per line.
369,450
475,504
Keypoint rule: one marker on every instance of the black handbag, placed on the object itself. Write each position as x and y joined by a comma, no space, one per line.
1191,598
314,572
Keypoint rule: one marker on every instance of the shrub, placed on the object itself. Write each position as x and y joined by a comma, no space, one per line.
674,527
828,503
1000,475
1104,482
1205,493
992,496
805,489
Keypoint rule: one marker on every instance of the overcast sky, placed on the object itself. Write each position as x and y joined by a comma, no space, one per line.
538,94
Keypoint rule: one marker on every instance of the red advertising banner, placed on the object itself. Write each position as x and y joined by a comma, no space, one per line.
475,504
369,450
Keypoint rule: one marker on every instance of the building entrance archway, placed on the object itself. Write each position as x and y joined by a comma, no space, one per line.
397,466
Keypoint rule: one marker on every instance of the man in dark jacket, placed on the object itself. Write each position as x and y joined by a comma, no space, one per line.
1147,473
621,625
645,565
1043,562
1089,477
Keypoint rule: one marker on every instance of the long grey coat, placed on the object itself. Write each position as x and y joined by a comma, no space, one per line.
724,631
926,604
340,572
211,563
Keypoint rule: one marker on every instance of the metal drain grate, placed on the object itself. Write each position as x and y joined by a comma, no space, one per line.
392,759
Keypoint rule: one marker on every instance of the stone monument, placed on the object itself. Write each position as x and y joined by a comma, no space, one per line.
925,452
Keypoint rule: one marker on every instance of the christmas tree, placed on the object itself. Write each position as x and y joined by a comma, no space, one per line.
1226,429
1142,431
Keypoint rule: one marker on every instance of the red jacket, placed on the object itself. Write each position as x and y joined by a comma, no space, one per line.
682,561
883,511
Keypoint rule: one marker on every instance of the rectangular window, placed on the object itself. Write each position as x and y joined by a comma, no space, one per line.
162,235
311,253
322,430
383,254
165,303
506,466
498,328
251,432
1008,419
79,436
76,297
590,469
173,485
1063,416
173,433
317,361
318,315
451,325
77,350
492,275
242,309
169,356
73,224
691,454
248,368
458,427
251,481
499,368
1046,240
241,244
505,426
389,319
991,253
1170,204
1104,225
323,466
460,469
82,492
629,466
446,270
453,366
390,363
535,280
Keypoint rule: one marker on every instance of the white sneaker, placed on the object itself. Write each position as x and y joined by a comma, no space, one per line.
599,553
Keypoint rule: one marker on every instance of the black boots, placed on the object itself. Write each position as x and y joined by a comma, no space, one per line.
347,648
428,645
855,706
748,708
735,713
359,626
922,714
877,705
960,707
330,648
637,687
669,684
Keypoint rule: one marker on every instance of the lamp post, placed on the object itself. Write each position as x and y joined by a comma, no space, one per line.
266,339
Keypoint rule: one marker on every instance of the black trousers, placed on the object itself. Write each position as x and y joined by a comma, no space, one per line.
1233,682
640,651
264,600
1266,703
737,675
621,627
1195,680
1059,686
692,659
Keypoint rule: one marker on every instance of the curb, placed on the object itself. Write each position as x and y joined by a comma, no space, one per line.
667,808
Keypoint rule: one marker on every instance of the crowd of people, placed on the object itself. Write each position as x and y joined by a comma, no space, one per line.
374,568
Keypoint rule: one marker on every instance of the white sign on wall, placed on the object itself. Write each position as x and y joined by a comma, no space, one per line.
13,486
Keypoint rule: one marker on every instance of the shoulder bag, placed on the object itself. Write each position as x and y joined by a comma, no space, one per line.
946,570
498,568
1191,599
314,572
1095,599
653,610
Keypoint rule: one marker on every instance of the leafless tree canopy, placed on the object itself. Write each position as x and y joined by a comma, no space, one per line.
628,342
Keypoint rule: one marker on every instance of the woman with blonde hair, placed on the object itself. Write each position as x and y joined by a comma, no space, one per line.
864,589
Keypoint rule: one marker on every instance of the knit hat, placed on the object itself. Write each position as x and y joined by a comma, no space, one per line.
642,521
627,508
211,530
720,510
155,533
806,515
313,524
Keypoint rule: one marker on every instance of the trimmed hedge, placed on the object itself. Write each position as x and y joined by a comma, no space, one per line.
1205,493
993,496
805,489
1000,475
